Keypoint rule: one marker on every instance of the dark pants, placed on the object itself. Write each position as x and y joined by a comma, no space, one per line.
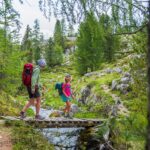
35,95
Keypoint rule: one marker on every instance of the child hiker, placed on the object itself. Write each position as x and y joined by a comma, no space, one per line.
67,95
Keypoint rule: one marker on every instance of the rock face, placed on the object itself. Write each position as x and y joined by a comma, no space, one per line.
108,70
85,93
104,72
123,84
114,84
74,108
89,140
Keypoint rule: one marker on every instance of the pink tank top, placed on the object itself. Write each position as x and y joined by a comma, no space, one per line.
67,88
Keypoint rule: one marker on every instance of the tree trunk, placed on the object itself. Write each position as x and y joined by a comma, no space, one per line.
148,74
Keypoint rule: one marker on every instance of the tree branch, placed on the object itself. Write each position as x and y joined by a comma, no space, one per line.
136,6
134,32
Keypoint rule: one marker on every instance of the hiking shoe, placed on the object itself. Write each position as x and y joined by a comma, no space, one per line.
67,115
39,117
63,114
22,115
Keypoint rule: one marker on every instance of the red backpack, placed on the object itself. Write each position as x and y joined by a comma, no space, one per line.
27,74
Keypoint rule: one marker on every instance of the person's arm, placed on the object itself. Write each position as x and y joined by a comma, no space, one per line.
34,80
72,94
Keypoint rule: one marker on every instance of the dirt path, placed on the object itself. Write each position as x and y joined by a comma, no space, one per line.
5,138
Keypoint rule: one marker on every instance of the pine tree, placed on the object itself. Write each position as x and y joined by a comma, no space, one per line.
9,64
70,30
36,30
26,44
37,53
58,55
9,20
36,40
9,27
110,42
26,41
64,30
89,42
58,43
50,53
58,34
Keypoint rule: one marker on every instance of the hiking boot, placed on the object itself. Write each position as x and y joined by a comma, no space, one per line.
39,117
63,114
22,115
67,115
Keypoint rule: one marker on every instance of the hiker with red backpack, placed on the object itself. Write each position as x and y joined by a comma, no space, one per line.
30,78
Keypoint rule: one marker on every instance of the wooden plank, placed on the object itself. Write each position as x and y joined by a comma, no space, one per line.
57,122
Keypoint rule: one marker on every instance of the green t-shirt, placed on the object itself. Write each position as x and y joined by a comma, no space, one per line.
35,78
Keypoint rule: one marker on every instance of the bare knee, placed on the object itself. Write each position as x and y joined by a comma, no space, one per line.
31,101
38,101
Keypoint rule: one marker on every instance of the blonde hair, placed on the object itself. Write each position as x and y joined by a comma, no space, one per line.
68,78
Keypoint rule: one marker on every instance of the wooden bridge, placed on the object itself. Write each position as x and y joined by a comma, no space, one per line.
56,122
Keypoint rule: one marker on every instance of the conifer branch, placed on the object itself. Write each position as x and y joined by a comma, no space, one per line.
134,32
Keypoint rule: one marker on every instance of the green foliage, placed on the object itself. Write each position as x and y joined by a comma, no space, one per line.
25,137
110,43
103,129
70,31
57,56
132,128
69,44
12,72
95,43
36,31
26,44
58,34
50,53
86,115
9,18
123,13
8,105
10,65
37,53
89,52
36,40
138,63
55,48
26,41
30,112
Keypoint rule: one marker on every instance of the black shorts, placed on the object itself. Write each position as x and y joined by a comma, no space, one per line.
35,95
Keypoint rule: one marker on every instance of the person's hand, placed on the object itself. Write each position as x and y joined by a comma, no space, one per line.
73,96
32,91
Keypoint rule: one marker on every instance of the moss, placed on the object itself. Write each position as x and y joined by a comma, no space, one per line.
87,115
25,137
8,105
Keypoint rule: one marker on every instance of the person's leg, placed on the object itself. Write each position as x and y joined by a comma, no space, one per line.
22,113
68,106
67,110
38,105
30,102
